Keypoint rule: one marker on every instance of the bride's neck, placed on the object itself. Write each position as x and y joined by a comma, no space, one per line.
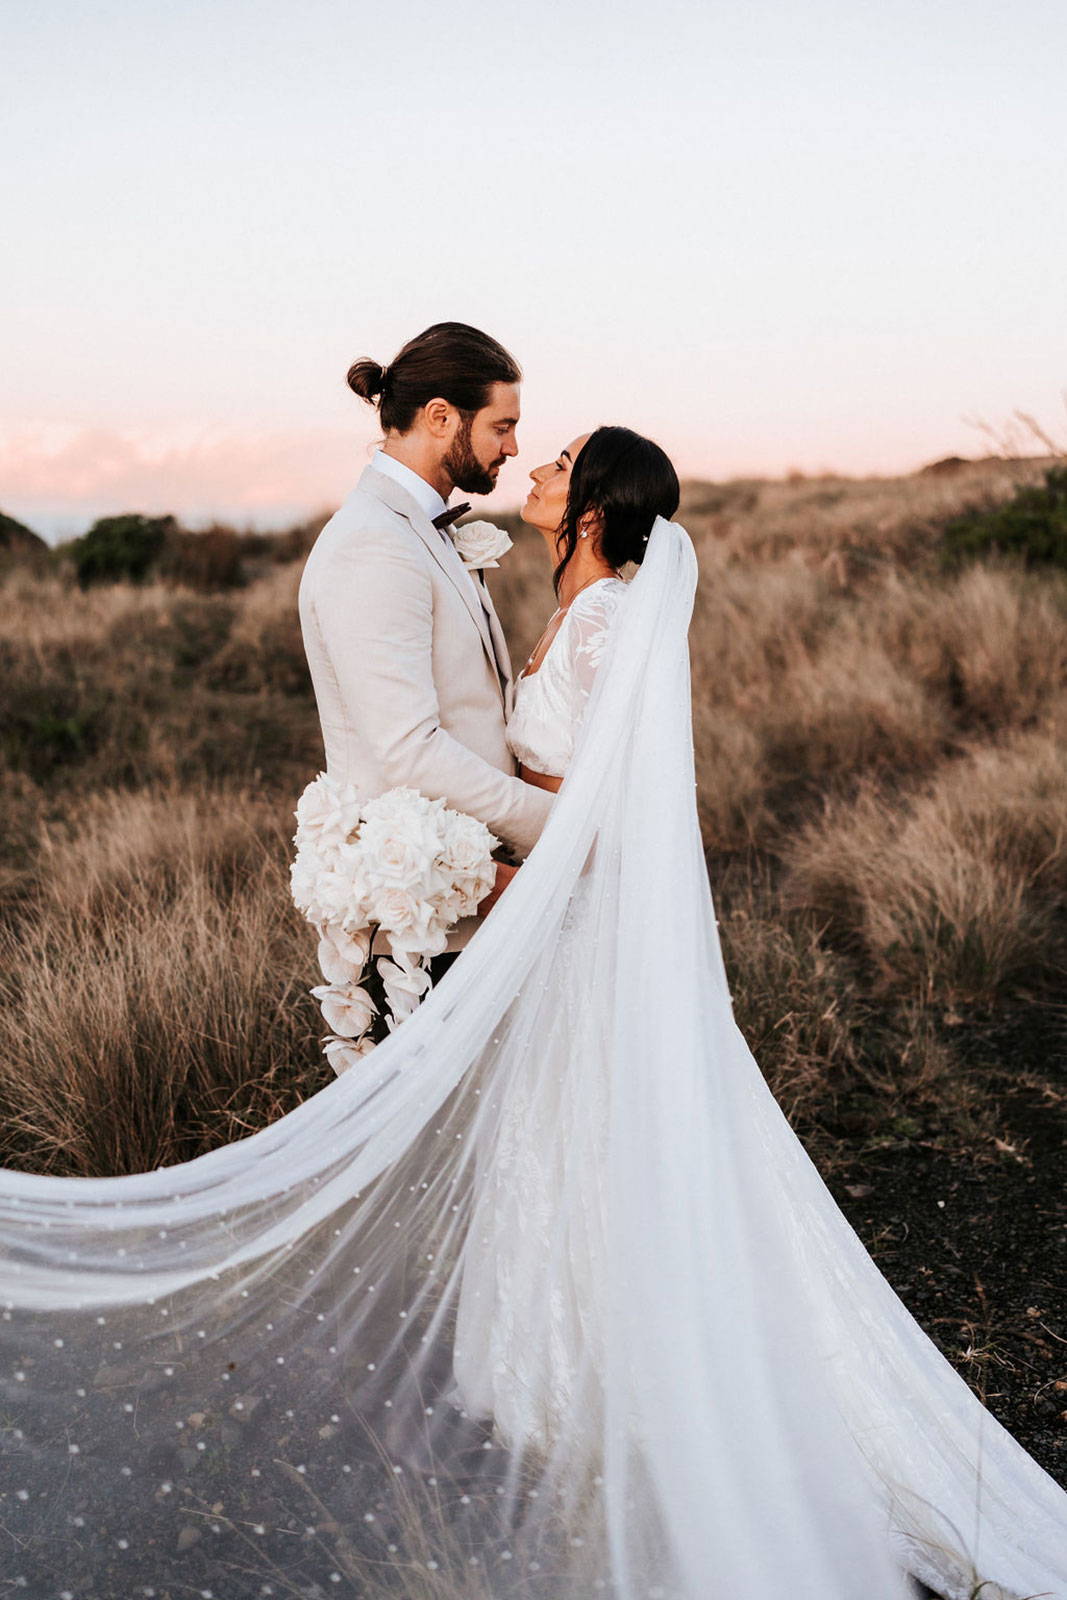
583,568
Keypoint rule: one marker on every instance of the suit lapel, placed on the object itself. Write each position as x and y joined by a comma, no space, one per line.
444,553
500,644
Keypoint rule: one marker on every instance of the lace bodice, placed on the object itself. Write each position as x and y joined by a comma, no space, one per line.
550,703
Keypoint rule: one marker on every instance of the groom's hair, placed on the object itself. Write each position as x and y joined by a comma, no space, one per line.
450,361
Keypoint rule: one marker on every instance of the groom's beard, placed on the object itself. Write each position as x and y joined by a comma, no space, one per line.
464,468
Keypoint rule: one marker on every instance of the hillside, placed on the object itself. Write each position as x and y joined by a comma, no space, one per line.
882,778
17,540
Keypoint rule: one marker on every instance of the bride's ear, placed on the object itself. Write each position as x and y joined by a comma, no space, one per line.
591,526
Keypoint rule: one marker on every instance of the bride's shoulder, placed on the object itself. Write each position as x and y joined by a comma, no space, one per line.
600,601
591,619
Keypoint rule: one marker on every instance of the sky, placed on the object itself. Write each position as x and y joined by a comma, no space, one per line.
811,235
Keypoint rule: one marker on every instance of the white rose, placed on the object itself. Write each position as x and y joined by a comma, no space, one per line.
346,888
304,877
480,544
348,1010
468,845
326,812
319,902
331,901
399,852
345,1053
411,918
472,894
450,908
395,909
399,802
342,955
469,864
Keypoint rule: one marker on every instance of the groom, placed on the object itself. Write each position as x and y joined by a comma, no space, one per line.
409,664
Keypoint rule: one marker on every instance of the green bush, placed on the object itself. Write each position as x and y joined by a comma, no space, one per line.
1032,526
120,547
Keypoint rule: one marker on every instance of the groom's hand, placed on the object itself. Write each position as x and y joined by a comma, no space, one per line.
504,875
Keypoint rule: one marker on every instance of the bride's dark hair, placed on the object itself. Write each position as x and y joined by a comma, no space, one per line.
629,481
450,361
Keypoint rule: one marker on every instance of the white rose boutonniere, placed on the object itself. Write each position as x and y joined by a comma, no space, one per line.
481,544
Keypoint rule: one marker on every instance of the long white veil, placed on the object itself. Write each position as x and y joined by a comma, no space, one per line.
238,1376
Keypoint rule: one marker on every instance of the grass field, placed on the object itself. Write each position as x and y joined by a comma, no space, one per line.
882,765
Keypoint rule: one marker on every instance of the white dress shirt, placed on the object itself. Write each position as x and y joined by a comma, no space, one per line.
423,492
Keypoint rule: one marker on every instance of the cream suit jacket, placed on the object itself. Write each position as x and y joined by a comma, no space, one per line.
410,666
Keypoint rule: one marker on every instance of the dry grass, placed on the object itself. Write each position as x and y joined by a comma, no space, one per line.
882,761
955,890
847,526
154,999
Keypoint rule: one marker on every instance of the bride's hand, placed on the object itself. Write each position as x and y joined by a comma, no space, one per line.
504,875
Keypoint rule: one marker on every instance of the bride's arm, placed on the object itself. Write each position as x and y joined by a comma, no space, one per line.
590,621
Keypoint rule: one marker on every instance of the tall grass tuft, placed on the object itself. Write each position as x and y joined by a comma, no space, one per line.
954,890
153,997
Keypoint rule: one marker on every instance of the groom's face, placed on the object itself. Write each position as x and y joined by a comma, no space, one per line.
482,443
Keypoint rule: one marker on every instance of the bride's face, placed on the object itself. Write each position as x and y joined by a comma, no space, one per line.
547,500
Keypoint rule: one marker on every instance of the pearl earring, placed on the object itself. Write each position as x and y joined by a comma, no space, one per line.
583,533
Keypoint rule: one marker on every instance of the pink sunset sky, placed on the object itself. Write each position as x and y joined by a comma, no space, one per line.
815,236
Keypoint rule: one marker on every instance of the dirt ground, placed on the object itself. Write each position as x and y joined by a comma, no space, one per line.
976,1251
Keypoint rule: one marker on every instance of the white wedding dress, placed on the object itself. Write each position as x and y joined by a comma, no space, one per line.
529,1342
544,1301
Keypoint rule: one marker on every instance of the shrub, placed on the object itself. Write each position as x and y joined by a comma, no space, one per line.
990,644
956,891
134,684
265,648
294,543
120,547
20,544
158,966
209,560
1032,526
50,717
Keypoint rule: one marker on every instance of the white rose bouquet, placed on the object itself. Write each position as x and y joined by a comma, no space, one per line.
481,544
401,865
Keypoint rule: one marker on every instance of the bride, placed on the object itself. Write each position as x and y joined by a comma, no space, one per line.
543,1298
521,1358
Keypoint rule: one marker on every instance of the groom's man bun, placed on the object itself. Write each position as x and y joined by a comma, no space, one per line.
450,361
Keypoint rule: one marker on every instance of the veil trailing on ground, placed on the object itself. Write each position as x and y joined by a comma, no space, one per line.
543,1299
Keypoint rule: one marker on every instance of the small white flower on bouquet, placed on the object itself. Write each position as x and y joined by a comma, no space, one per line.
405,984
345,1053
348,1008
481,544
400,864
342,956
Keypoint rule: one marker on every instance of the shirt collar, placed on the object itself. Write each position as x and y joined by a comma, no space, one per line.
427,496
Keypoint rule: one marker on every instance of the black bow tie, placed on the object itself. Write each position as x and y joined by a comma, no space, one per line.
445,519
